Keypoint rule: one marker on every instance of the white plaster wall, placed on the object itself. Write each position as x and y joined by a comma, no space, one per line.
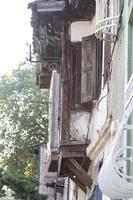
98,117
118,79
43,163
79,125
81,29
44,175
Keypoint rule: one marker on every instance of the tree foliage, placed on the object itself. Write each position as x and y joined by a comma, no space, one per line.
23,119
24,188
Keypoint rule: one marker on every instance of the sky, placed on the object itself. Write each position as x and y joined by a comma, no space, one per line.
15,32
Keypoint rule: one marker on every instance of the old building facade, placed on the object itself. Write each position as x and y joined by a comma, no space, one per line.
83,51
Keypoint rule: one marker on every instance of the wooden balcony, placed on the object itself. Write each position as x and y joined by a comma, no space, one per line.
73,10
74,164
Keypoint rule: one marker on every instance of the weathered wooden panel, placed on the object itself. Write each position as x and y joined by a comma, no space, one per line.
43,79
91,71
75,74
47,35
65,87
88,68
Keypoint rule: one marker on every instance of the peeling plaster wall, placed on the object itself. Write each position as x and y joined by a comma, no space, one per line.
45,176
98,117
118,79
79,125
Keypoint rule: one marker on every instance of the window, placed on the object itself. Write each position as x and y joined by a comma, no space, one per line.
91,69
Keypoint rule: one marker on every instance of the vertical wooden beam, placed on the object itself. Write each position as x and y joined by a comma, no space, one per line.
65,76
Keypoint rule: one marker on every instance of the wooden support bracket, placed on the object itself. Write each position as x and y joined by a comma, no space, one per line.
79,172
76,181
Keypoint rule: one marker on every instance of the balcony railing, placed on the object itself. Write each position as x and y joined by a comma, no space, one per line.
106,29
114,178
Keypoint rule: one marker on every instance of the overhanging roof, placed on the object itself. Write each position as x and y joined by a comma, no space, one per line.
48,6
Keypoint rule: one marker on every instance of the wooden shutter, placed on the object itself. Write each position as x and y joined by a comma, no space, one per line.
88,68
91,70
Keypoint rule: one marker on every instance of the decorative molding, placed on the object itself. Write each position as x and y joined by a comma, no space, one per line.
106,29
